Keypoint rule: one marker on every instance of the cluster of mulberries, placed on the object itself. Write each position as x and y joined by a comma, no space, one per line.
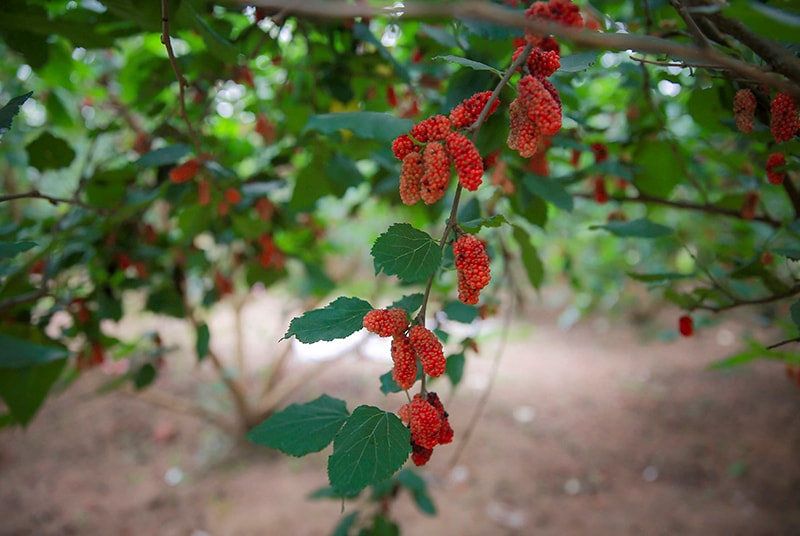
432,145
784,121
561,11
744,109
419,344
776,160
535,112
472,264
429,425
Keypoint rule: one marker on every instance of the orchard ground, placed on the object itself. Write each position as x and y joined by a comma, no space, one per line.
587,431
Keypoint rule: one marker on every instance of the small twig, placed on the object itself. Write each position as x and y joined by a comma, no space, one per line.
779,344
182,83
685,205
679,64
793,291
697,34
36,194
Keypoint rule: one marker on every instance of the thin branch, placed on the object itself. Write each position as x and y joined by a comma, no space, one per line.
793,291
23,298
685,205
697,34
182,83
501,15
781,343
36,194
678,64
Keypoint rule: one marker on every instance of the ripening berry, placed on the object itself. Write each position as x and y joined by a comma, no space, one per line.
750,204
233,195
744,109
466,113
523,135
223,208
767,258
540,62
391,96
686,325
404,372
446,432
425,423
776,160
402,145
265,209
435,128
472,264
436,176
784,121
185,172
417,56
420,455
600,152
600,193
411,175
538,163
203,192
575,157
563,11
467,160
429,350
386,322
543,110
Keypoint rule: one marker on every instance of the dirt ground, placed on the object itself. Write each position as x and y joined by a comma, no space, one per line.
587,431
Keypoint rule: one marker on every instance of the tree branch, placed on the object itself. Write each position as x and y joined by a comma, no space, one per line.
685,205
793,291
513,18
36,194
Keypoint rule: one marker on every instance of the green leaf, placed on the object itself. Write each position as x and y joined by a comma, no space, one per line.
575,63
11,249
24,389
49,152
530,258
381,526
11,109
795,311
460,312
658,170
344,526
369,448
337,320
549,190
639,228
165,155
203,338
410,303
370,125
473,226
789,253
455,368
146,375
472,64
301,429
408,253
414,483
658,278
17,353
166,300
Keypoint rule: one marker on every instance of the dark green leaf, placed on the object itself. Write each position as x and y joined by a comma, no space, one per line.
549,190
455,368
639,228
166,300
658,278
11,109
369,448
11,249
203,337
24,389
530,258
410,303
344,526
658,169
473,226
301,429
337,320
406,252
460,312
419,490
478,66
17,353
165,155
370,125
382,526
789,253
146,374
49,152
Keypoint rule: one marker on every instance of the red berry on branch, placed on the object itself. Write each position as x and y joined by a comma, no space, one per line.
468,111
386,322
402,145
425,423
472,264
467,160
391,96
773,161
435,128
436,176
686,325
420,455
429,350
744,109
404,372
411,175
185,172
600,193
784,121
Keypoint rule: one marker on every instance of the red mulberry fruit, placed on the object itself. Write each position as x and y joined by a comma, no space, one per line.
429,350
420,455
411,177
472,264
744,109
523,135
784,121
435,128
776,160
425,423
386,322
466,113
404,372
686,325
436,177
467,160
402,146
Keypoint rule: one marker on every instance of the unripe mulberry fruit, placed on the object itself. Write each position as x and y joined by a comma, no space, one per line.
686,325
472,264
466,113
784,121
411,177
425,423
404,372
776,160
467,160
386,322
429,350
744,109
402,146
436,175
435,128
